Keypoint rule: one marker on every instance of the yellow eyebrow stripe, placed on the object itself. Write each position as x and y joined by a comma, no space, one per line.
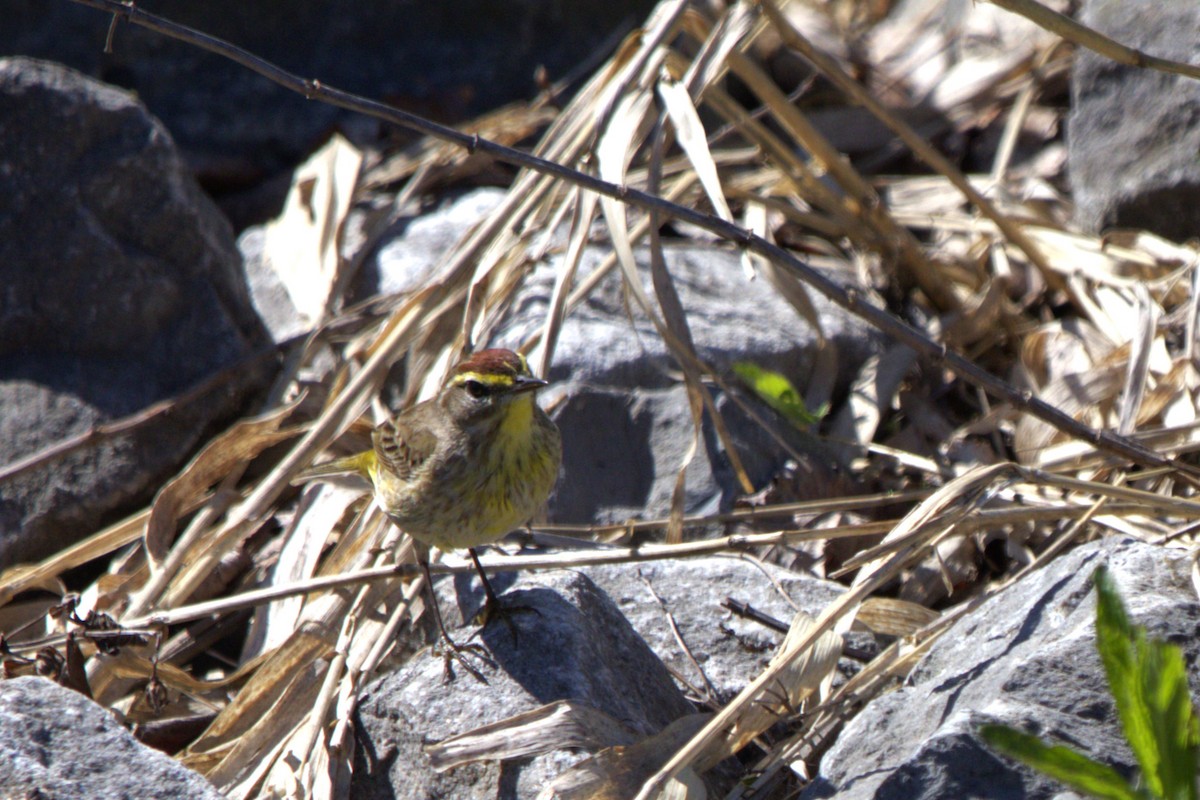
487,379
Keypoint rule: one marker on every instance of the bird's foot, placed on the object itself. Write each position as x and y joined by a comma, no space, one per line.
451,652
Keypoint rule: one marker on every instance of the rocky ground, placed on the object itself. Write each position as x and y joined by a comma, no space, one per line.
210,282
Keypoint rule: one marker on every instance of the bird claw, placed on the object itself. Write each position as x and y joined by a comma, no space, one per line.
452,651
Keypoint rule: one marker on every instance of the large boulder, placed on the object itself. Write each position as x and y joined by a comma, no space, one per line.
1025,658
57,743
122,287
571,643
598,636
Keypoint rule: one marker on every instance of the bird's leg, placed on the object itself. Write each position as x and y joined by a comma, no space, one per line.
452,650
492,609
492,604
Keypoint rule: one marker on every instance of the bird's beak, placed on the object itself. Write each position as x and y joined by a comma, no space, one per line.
524,383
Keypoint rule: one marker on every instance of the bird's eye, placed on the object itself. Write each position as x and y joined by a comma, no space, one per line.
476,389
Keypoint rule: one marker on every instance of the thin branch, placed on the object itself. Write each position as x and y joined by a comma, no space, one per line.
982,519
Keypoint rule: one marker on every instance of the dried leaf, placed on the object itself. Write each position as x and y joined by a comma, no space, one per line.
784,282
564,724
1137,376
581,225
871,394
679,342
303,245
1088,396
273,702
239,444
892,617
617,772
23,577
690,132
323,507
785,696
614,153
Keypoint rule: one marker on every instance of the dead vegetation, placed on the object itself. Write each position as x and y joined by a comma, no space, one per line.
839,129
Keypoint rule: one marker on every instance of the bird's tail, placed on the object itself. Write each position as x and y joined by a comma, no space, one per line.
357,464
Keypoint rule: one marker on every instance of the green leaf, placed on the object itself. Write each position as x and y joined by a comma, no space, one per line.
777,392
1118,643
1074,769
1172,717
1148,681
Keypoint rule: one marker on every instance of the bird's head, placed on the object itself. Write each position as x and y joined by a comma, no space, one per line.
487,384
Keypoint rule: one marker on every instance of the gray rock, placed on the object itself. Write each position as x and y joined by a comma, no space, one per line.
689,592
412,249
625,419
1026,658
451,60
574,645
122,287
57,743
415,247
581,646
729,650
1132,134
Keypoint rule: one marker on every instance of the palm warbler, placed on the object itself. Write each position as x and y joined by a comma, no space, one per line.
465,467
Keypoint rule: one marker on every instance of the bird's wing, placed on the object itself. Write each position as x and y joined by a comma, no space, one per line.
402,449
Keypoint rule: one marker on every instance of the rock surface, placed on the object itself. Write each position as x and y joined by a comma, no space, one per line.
626,421
597,637
688,592
574,645
1132,133
57,743
1025,658
122,287
729,650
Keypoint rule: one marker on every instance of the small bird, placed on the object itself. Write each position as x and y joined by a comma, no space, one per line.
465,467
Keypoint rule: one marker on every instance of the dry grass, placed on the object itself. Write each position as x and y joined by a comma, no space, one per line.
1101,329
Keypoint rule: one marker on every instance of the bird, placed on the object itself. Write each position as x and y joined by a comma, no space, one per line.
463,468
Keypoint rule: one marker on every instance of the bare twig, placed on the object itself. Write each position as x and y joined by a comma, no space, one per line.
1137,502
